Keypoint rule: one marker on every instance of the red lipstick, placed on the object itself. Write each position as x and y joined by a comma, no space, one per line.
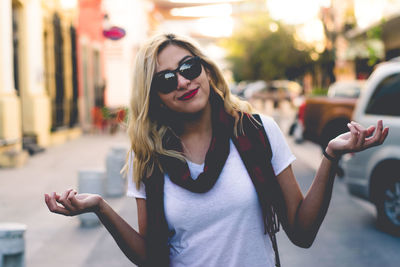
189,94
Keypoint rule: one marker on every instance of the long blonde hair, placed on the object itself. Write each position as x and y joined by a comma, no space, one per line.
146,133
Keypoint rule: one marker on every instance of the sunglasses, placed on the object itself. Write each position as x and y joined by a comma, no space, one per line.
166,81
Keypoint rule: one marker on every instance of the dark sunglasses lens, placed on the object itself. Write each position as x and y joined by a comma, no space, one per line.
167,82
190,69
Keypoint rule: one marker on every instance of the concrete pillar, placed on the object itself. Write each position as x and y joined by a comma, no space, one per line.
90,181
12,245
36,113
11,153
115,182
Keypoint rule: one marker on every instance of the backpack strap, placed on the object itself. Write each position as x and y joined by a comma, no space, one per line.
269,156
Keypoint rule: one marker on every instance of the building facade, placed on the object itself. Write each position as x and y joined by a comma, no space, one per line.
42,94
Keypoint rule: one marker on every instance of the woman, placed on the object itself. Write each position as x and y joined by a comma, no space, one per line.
212,181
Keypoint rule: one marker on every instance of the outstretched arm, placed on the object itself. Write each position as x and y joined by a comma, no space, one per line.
70,203
305,214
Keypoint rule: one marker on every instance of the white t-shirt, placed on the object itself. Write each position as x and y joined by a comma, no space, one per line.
224,226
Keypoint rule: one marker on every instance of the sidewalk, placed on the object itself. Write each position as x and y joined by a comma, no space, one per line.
51,239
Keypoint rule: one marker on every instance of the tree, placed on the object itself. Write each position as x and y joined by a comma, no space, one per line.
263,49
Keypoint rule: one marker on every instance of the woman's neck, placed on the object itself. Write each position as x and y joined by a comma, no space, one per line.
198,124
197,134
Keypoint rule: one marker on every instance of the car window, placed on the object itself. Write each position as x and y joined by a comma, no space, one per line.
386,98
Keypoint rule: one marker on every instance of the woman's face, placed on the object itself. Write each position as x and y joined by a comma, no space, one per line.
190,96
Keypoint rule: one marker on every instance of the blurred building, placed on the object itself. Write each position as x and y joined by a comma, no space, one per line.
24,101
60,69
53,58
130,16
90,58
366,32
338,18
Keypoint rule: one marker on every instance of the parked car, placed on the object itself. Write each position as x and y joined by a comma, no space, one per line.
285,89
325,117
253,88
346,89
276,90
374,174
239,88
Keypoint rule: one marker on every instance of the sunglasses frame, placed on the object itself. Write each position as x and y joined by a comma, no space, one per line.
159,82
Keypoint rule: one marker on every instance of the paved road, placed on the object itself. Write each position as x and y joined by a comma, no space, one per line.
348,236
53,240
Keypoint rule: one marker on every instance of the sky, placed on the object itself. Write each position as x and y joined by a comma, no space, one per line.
299,11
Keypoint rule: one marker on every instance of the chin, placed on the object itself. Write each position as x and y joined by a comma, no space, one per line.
194,108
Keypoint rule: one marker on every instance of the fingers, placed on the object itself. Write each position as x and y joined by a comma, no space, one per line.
378,137
73,200
359,138
362,132
53,206
385,133
63,200
62,204
370,130
354,135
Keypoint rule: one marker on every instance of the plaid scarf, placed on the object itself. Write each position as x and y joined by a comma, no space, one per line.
255,152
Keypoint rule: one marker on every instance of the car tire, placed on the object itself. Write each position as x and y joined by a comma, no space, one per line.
388,201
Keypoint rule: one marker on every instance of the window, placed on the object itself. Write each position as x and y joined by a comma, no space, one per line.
16,34
386,98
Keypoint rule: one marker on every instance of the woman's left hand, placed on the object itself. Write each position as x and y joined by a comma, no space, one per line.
357,139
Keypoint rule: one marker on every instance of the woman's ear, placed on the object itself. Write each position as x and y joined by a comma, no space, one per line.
208,74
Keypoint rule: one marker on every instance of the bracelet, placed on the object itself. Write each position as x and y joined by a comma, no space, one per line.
330,157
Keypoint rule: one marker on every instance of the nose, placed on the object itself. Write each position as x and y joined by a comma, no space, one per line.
182,82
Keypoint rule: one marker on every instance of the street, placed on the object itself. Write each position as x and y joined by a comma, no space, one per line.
51,239
348,236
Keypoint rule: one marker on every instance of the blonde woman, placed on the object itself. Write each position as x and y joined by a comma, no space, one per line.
212,181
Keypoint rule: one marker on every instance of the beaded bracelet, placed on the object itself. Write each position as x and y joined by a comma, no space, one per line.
330,157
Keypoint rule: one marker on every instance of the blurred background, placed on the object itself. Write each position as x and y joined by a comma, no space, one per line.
66,75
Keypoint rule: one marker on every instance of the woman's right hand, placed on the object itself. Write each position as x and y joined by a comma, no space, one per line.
71,203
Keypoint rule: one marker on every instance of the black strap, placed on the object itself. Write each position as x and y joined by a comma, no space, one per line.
271,235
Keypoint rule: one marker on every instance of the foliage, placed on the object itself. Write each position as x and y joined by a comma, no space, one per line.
257,53
117,114
374,33
319,91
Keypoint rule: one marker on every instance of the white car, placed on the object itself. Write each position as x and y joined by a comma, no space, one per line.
374,174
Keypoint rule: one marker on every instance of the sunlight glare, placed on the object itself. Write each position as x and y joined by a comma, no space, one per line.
299,11
215,27
202,2
273,27
325,3
219,10
368,11
312,31
68,4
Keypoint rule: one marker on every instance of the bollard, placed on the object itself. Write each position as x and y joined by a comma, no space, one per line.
12,245
90,181
115,182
